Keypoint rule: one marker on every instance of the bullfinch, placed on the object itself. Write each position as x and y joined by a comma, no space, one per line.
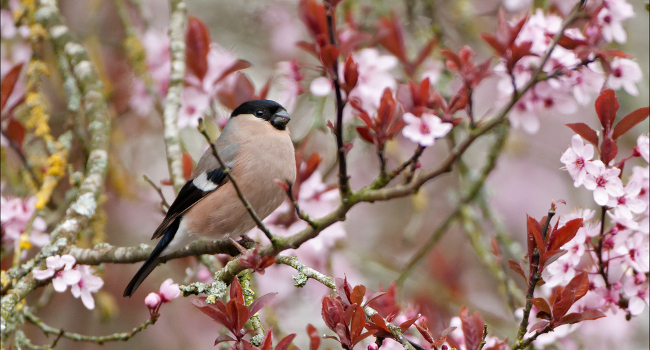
256,146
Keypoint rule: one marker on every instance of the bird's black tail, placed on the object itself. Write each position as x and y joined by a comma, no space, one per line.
153,260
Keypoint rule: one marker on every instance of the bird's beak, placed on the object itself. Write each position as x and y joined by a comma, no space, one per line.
280,119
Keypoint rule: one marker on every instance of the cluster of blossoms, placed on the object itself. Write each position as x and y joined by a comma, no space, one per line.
575,73
64,272
16,214
168,292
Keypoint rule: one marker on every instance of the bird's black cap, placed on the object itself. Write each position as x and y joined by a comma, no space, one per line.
268,110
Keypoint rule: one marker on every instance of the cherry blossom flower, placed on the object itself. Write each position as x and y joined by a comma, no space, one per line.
88,284
636,289
169,290
61,268
288,78
604,182
643,147
585,82
576,157
156,45
611,18
426,129
635,252
559,272
15,214
320,87
629,202
625,74
374,77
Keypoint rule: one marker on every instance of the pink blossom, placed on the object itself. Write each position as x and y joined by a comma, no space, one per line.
585,82
629,202
153,301
61,268
559,272
636,289
426,129
621,220
320,87
288,84
604,182
611,19
156,45
88,284
15,214
169,290
635,252
576,157
643,147
204,275
625,73
374,77
641,175
539,30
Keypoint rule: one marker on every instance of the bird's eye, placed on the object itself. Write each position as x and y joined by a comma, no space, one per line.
259,113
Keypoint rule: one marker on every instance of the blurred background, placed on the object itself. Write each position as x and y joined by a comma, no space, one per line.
376,241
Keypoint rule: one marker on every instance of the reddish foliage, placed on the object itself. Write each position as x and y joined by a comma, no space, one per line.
8,83
549,245
387,304
234,314
504,41
390,35
585,132
514,266
629,121
433,341
463,63
16,131
197,39
314,337
240,91
253,260
350,74
472,328
347,321
606,107
385,125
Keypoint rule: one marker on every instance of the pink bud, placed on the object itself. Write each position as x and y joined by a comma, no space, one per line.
373,346
169,290
152,300
204,275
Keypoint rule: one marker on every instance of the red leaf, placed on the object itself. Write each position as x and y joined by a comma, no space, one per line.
629,121
356,297
472,328
495,249
425,52
539,325
608,149
541,304
535,231
236,292
493,42
357,324
187,166
314,337
549,257
224,337
8,84
216,311
197,38
267,343
16,131
514,266
285,342
312,14
572,292
576,317
351,74
364,132
564,234
424,330
585,132
236,66
389,35
328,55
606,107
404,326
374,297
240,91
260,302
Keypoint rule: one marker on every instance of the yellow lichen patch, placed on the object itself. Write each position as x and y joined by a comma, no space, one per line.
56,165
45,192
37,32
23,242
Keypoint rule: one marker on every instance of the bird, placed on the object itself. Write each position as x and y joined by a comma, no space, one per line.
255,145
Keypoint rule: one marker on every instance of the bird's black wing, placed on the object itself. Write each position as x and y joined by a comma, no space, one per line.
191,193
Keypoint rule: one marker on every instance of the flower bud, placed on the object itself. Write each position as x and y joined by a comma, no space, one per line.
152,301
169,290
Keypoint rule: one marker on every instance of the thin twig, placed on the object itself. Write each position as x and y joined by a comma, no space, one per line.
302,215
124,336
16,147
164,205
232,179
483,342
